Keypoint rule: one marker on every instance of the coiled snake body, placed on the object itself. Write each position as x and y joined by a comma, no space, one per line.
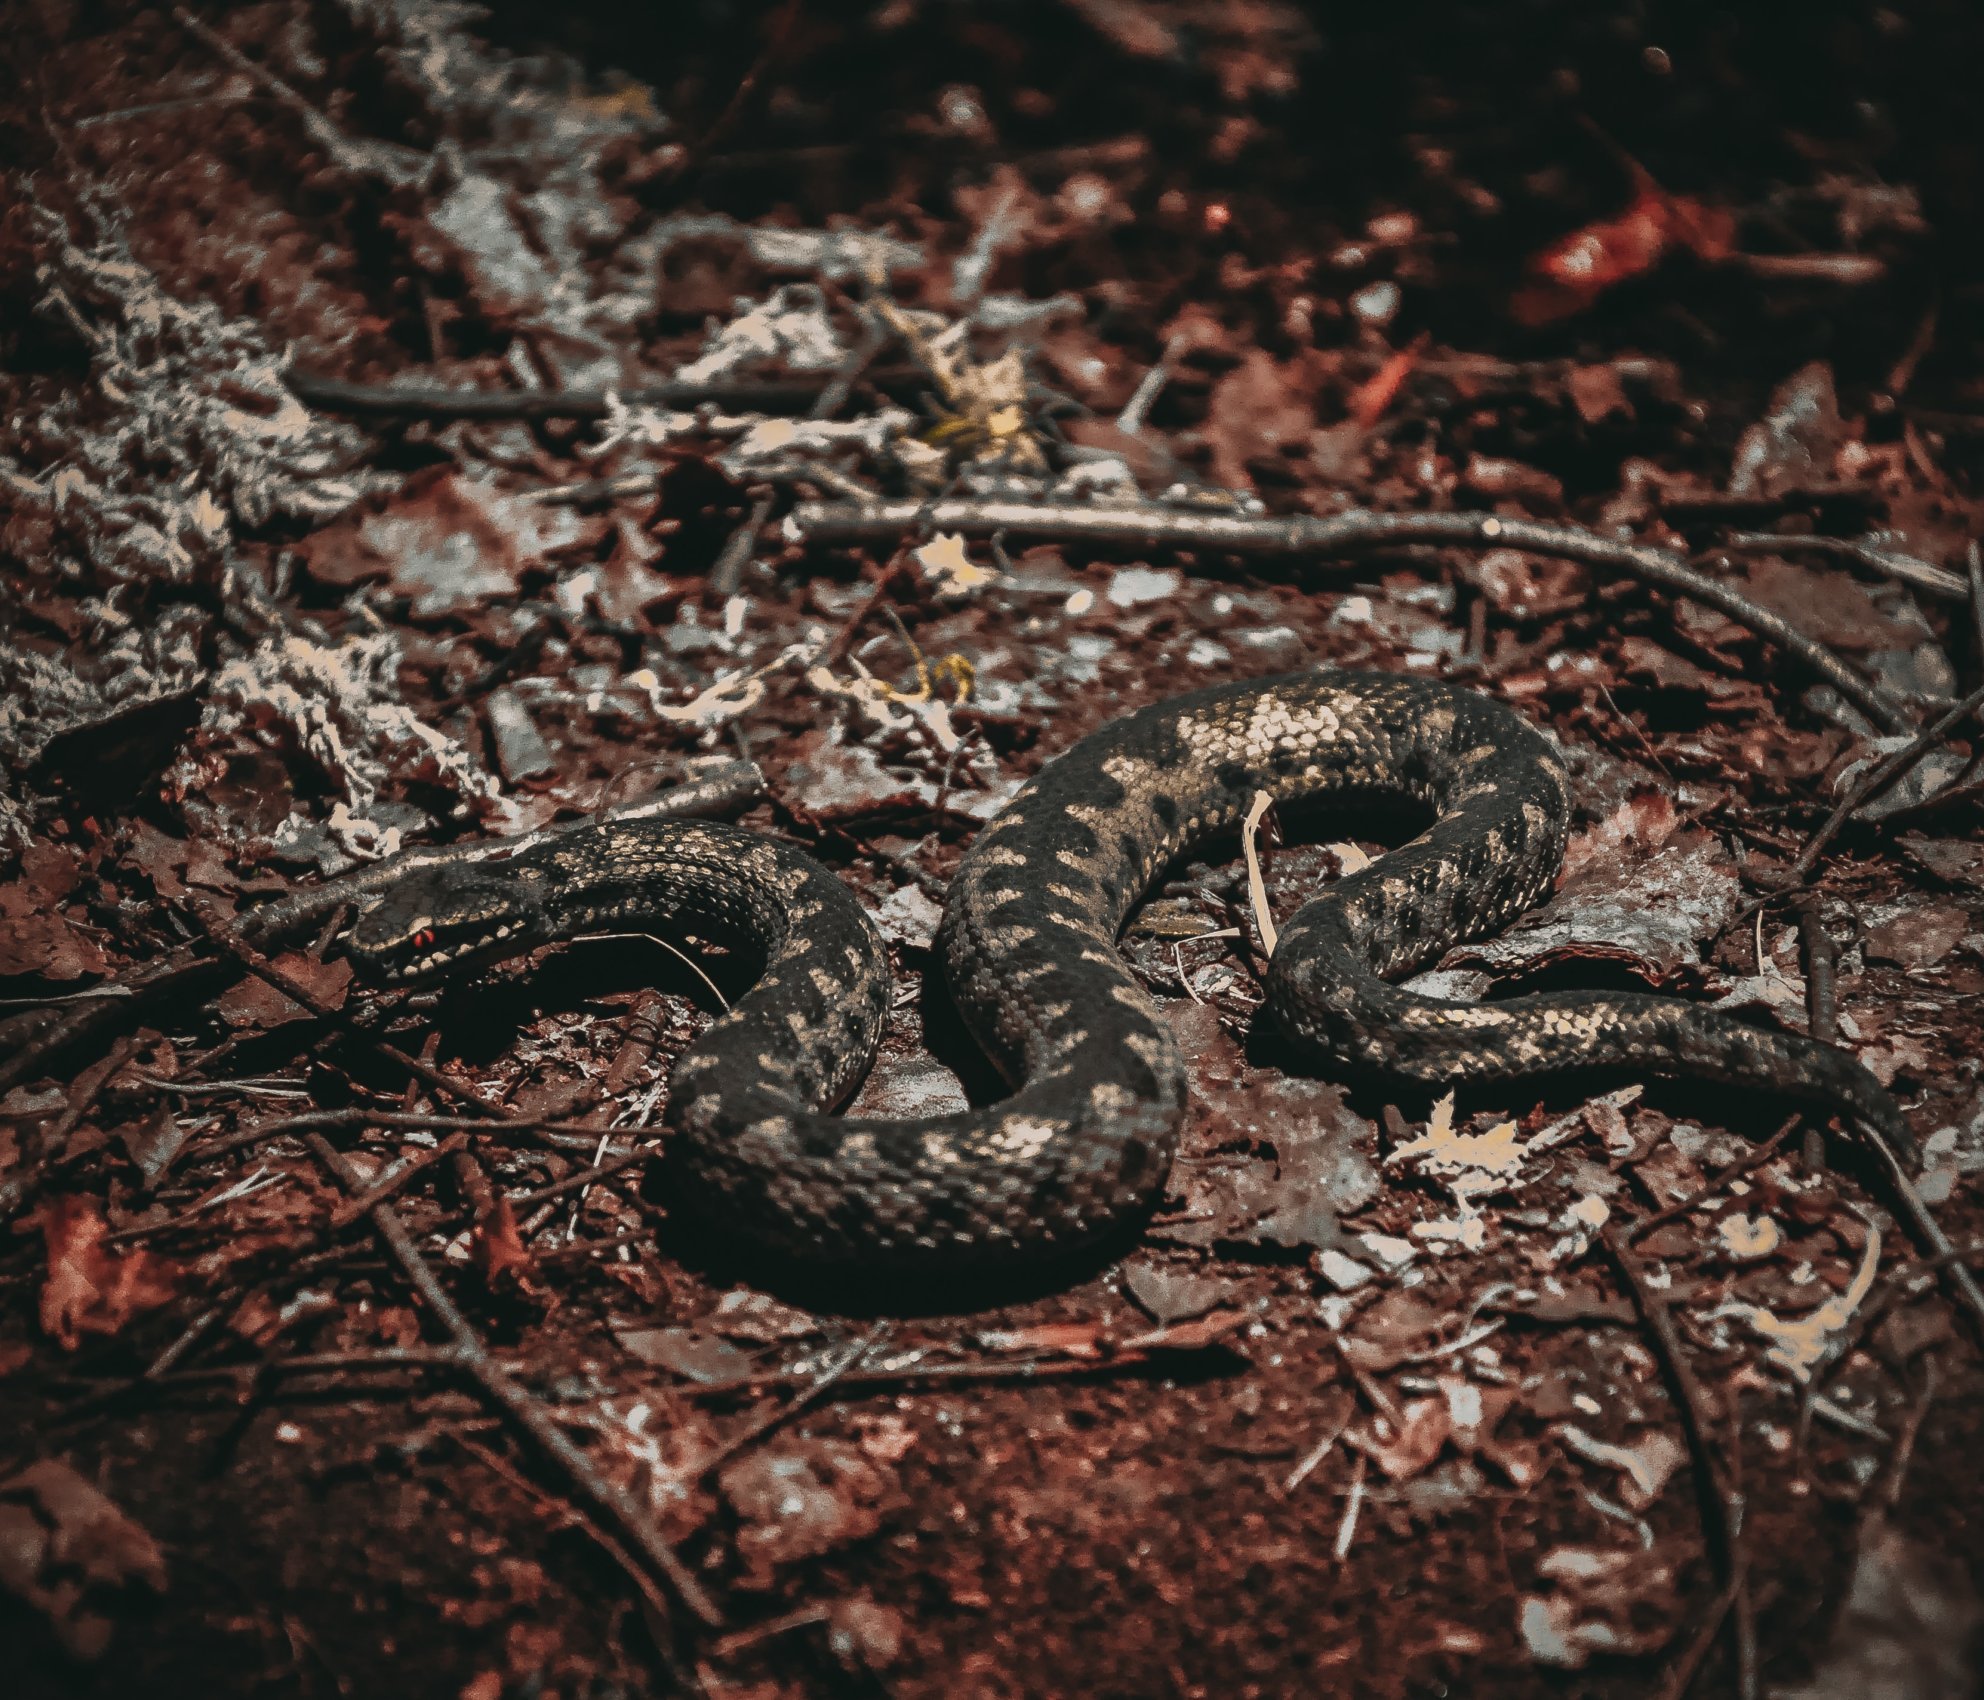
1028,942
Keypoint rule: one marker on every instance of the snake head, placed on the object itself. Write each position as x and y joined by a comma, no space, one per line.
447,918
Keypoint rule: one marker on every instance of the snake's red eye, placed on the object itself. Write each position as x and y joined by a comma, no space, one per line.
423,938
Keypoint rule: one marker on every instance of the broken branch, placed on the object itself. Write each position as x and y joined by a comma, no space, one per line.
1345,533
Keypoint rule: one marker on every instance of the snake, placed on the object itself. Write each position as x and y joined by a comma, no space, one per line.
1028,943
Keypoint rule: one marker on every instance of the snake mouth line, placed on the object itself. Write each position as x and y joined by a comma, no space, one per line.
400,970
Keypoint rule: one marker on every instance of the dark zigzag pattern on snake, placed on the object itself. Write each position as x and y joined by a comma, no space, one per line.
1028,943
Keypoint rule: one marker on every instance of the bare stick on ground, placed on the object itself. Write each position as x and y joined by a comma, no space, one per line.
1821,1001
727,574
442,401
1874,781
569,1136
833,1370
1929,1231
1346,533
1755,1158
270,975
473,1358
1891,563
1722,1507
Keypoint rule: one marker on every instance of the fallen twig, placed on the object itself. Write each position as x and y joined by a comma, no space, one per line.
441,401
395,165
1821,1002
688,164
1722,1506
1930,1232
269,974
1896,1470
1345,533
575,1250
1923,575
163,1375
1681,1676
836,1367
1754,1158
726,574
683,1679
396,1177
1034,1366
581,1178
1974,567
1870,784
468,1353
875,337
46,1149
567,1135
719,790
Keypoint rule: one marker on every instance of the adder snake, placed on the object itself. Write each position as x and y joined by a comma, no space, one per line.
1028,942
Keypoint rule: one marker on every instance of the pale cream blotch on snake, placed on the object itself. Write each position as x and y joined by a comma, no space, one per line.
1028,943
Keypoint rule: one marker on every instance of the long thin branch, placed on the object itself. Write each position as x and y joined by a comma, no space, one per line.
1821,1001
1754,1158
48,1150
833,1370
1344,533
391,163
720,790
727,573
1930,1232
566,1135
688,166
1874,781
1923,575
442,401
1722,1506
516,1401
1973,563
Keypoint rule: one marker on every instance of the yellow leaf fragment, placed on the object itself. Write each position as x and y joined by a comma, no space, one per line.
1257,889
1799,1344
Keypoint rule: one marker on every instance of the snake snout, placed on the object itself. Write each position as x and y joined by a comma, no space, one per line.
428,928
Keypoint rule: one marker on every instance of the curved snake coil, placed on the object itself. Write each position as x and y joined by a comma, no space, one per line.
1028,941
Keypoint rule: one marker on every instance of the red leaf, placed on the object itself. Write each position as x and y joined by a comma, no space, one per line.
501,1257
1376,394
1574,272
92,1289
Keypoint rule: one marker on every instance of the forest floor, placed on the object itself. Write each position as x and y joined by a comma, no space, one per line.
426,424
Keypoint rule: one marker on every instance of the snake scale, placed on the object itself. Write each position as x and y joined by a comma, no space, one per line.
1028,943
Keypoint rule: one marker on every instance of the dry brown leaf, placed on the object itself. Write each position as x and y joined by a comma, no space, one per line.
705,1359
92,1289
253,1002
1255,412
40,941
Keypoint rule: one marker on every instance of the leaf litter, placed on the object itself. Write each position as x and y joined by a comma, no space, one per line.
343,668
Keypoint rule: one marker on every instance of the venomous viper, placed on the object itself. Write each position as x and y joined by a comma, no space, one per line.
1028,941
